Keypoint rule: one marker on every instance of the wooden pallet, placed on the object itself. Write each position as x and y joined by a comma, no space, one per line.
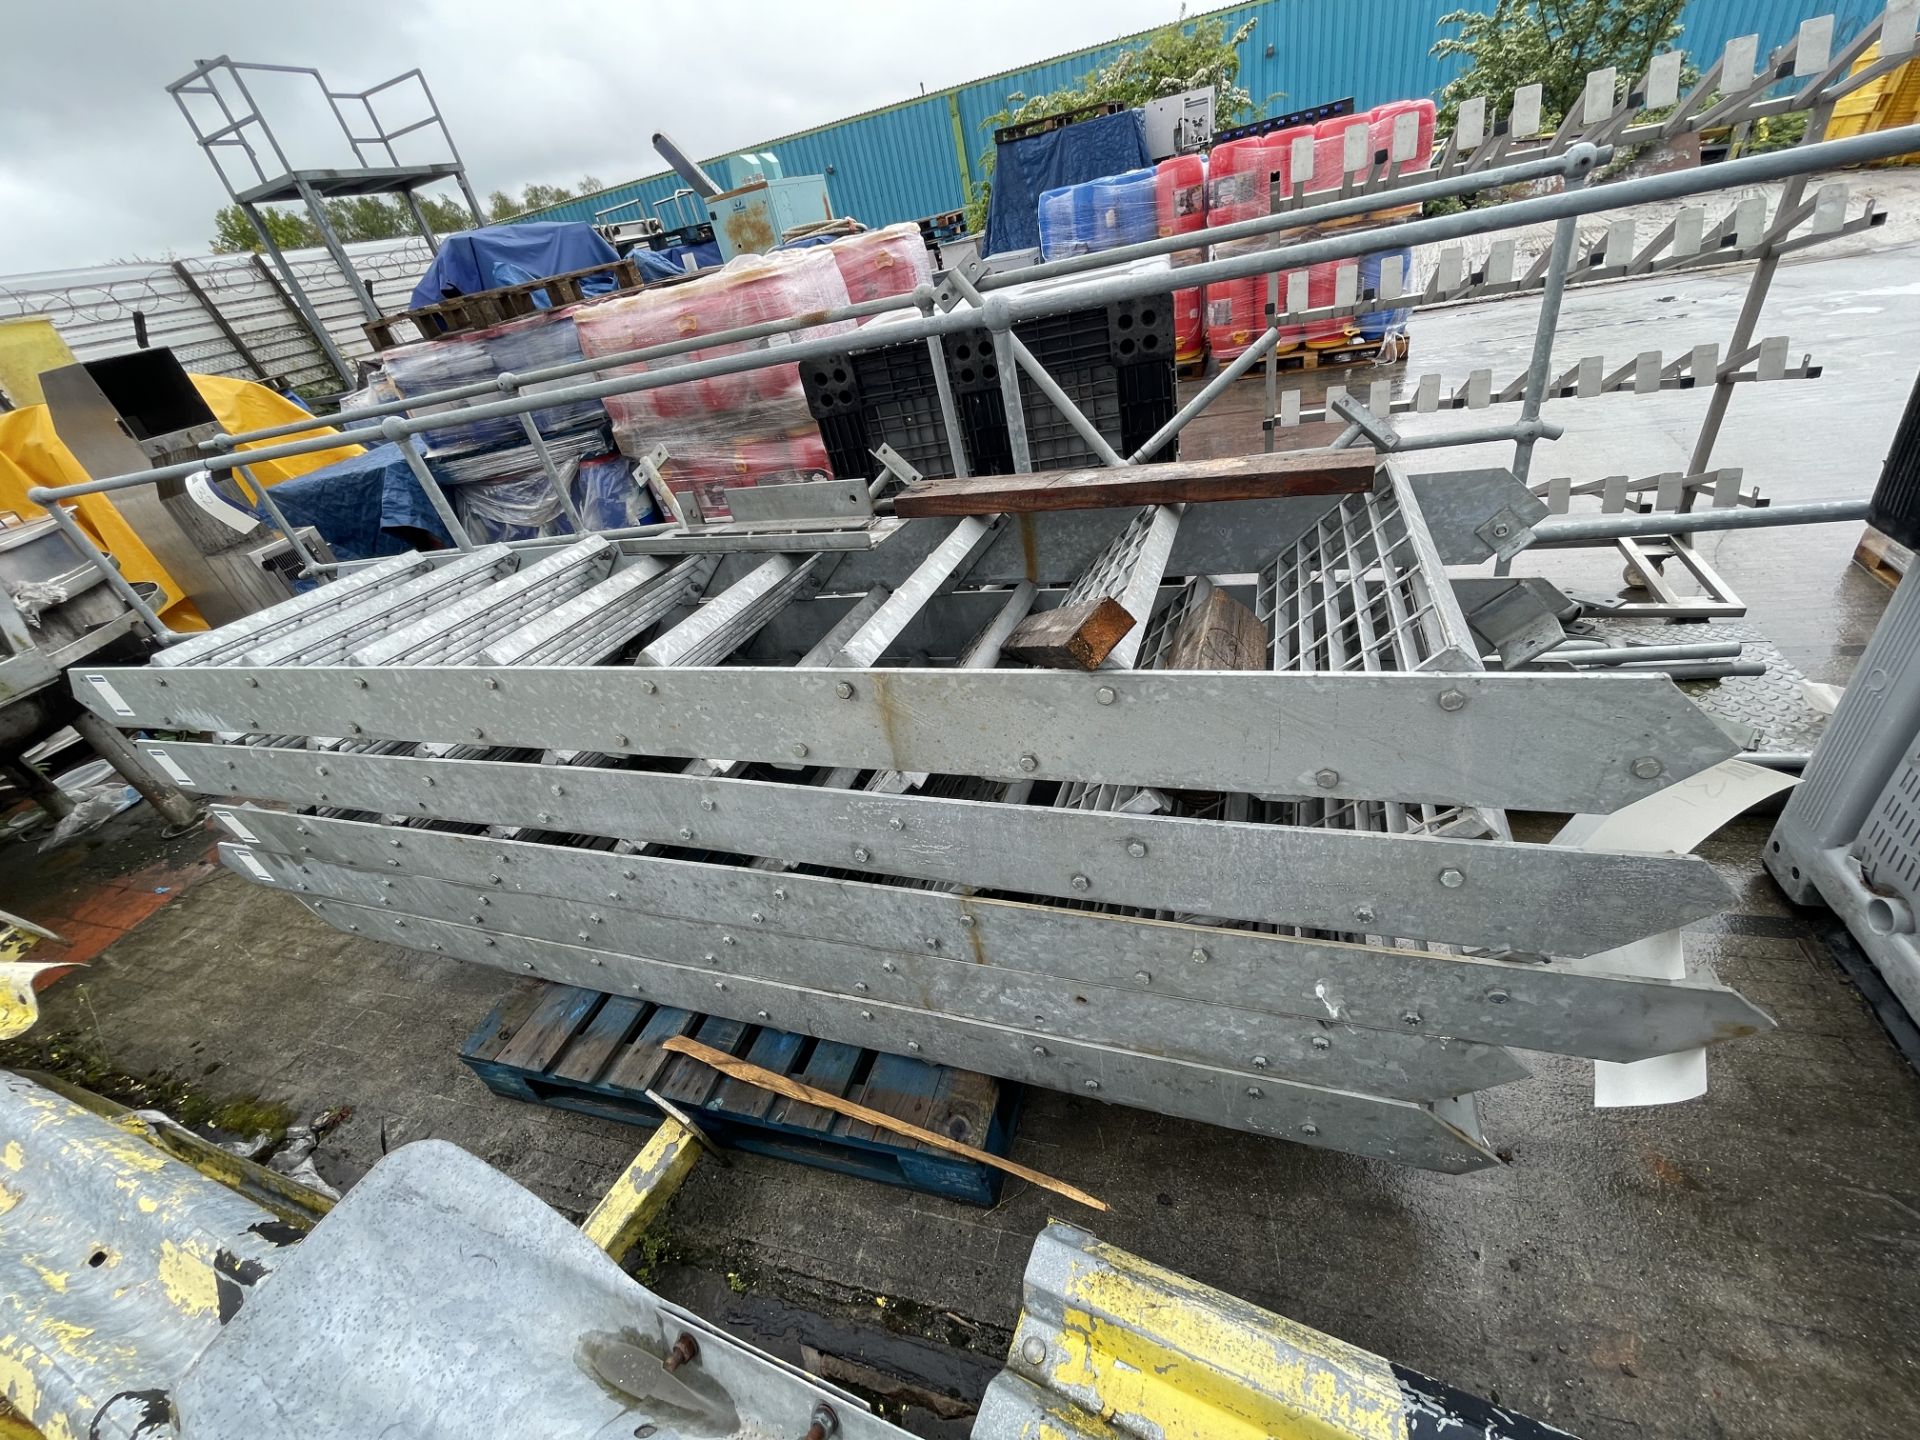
1059,120
1302,358
1882,557
1365,352
582,1050
459,314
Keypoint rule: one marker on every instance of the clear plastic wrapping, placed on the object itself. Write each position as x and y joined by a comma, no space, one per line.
747,290
504,462
608,494
1062,232
525,506
705,476
733,430
879,263
533,342
1125,208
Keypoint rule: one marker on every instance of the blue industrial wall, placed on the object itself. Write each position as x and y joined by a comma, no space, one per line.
903,161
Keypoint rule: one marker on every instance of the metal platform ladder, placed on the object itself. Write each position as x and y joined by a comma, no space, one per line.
220,107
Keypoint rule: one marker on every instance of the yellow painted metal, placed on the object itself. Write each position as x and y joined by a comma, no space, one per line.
28,346
635,1200
298,1205
13,1427
117,1262
1883,103
1111,1345
32,453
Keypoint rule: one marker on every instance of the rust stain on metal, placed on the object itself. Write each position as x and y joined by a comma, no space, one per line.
1029,546
750,232
889,720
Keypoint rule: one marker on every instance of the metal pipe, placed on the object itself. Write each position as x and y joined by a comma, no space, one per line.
1540,364
1559,529
397,432
1482,435
1010,401
554,477
133,767
1573,654
279,518
120,584
1853,149
1209,392
742,334
1696,669
37,786
949,413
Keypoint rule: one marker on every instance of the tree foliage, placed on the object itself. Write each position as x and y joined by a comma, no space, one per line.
379,217
1553,43
1172,59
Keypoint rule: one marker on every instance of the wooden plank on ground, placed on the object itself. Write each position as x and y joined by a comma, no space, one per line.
1070,637
1175,482
1218,633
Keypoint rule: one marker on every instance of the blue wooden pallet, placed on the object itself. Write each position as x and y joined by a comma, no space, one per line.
583,1050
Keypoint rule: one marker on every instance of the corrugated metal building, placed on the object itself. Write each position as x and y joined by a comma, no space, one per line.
920,157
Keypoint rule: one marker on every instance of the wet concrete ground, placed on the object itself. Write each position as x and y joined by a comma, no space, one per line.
1740,1266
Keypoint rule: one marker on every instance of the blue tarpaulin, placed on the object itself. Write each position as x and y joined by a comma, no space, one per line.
673,261
498,255
1106,145
363,506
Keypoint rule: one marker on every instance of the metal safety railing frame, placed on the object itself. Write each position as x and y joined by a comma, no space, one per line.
998,313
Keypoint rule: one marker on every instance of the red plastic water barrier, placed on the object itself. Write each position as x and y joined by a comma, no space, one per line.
749,290
1181,208
885,262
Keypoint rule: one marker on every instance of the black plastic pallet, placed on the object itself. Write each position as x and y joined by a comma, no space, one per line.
583,1050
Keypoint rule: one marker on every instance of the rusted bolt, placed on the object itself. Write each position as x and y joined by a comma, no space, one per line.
825,1424
684,1349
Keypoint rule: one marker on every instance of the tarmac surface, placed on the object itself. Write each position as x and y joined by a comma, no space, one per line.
1739,1266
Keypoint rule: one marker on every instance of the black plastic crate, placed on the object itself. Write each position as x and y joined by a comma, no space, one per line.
867,398
1115,363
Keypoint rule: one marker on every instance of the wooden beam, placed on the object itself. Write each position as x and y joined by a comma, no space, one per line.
1070,637
795,1090
1218,633
1231,477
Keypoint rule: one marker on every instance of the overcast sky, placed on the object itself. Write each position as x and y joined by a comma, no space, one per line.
96,164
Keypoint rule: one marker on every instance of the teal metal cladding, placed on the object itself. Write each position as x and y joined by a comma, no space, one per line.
902,162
